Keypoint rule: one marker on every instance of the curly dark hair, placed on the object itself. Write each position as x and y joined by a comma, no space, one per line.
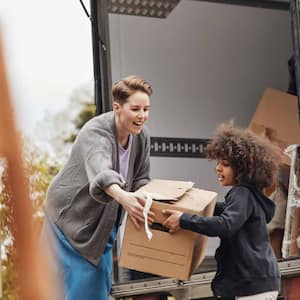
254,160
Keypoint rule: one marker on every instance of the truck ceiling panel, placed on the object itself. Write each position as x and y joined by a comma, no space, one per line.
162,8
272,4
144,8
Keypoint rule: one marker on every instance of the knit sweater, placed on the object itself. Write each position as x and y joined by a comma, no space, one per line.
76,201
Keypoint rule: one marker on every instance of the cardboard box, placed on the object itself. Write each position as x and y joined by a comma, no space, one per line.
174,255
276,117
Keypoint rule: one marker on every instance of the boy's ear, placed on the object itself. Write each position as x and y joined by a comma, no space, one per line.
116,106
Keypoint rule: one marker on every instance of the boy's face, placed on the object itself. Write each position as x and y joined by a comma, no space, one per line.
225,173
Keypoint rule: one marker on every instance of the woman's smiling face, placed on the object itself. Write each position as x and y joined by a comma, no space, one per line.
132,115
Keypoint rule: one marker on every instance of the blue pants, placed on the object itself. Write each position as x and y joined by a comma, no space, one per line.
82,280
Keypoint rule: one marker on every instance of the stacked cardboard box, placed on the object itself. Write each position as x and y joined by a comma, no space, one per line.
276,117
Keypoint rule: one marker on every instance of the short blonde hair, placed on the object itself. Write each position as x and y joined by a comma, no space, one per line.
127,86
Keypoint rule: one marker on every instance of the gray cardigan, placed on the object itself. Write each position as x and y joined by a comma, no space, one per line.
76,201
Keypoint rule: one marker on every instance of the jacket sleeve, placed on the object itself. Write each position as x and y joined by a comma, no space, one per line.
98,159
237,210
141,176
219,208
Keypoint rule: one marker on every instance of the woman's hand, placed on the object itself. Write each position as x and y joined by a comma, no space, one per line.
173,220
133,203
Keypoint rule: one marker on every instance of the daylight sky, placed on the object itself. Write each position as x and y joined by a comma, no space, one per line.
48,54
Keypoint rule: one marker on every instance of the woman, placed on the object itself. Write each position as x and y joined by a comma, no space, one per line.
109,159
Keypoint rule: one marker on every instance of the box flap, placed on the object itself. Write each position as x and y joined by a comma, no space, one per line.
276,117
167,189
196,199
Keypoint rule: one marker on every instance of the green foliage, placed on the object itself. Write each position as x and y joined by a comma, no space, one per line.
6,237
87,112
40,170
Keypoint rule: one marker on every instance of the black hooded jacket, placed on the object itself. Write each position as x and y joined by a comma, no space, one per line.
246,264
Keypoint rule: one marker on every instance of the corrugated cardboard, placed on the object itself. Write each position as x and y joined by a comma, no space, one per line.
174,255
276,117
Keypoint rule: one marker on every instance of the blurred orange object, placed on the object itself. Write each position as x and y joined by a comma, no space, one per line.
34,281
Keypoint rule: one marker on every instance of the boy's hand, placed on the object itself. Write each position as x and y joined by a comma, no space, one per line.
173,220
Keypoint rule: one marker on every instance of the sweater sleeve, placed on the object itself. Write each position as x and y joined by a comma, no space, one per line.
98,159
141,176
238,208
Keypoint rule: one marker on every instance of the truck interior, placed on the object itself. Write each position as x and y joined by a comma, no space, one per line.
108,17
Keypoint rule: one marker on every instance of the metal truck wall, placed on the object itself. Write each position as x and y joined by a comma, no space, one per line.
208,63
